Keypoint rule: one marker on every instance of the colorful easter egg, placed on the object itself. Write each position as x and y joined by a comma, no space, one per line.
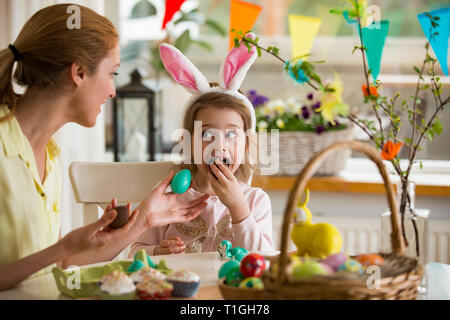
351,265
234,277
370,259
309,269
329,270
227,266
335,260
251,283
253,265
181,182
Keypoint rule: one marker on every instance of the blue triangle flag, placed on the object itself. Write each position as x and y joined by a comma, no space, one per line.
374,38
438,34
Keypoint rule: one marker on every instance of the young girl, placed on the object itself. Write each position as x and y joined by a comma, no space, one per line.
235,211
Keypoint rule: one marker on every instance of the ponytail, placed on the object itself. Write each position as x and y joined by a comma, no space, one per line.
7,94
47,46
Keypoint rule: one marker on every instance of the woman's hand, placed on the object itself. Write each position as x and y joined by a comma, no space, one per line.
98,234
227,188
170,246
160,208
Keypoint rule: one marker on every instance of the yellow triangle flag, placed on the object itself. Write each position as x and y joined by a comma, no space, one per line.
243,16
303,31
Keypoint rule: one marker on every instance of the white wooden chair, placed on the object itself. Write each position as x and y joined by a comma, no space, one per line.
96,184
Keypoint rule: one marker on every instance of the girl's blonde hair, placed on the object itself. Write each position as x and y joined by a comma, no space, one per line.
224,101
47,46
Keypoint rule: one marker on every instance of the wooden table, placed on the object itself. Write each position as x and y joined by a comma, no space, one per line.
207,266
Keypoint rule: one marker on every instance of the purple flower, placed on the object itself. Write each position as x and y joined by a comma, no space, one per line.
310,96
316,106
256,99
305,113
320,129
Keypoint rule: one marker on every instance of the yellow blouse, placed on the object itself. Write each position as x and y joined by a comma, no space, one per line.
29,210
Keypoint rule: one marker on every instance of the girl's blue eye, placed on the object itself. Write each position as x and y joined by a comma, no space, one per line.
231,134
207,135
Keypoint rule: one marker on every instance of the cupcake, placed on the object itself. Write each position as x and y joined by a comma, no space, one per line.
117,286
185,283
154,289
147,273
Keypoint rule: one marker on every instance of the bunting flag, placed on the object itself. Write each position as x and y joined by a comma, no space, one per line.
303,31
172,6
374,38
243,16
437,35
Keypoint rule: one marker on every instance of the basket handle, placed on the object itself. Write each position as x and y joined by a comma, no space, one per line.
306,174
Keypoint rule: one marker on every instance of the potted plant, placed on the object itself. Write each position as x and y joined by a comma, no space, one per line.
303,131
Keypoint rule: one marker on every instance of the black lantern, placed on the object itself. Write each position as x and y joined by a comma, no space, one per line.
135,135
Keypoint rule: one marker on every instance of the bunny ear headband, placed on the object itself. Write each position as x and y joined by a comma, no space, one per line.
231,75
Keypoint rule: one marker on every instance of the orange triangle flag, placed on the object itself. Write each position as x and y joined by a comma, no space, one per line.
243,16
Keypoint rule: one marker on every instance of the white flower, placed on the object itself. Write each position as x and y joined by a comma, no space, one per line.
262,125
280,123
276,104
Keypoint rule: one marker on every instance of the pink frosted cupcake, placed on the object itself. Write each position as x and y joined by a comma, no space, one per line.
117,286
147,273
154,289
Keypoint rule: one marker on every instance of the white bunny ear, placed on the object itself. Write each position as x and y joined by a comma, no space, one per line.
182,70
236,65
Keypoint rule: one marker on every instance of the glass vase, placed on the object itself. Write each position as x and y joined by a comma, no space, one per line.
414,228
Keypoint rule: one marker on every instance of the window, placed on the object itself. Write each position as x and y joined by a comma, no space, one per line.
404,49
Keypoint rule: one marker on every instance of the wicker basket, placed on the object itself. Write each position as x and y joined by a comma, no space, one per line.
297,147
400,276
234,293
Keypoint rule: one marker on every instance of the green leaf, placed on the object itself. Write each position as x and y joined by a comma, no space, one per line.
258,50
217,27
407,141
416,69
183,41
437,127
429,135
143,9
316,78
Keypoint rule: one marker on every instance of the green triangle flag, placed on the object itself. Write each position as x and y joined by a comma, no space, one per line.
437,33
374,37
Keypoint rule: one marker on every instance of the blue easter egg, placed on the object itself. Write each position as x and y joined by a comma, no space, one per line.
181,182
351,265
136,266
227,266
234,277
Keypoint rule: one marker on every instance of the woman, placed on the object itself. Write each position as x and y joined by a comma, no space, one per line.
68,75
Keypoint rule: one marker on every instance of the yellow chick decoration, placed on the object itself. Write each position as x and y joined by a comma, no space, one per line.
315,240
